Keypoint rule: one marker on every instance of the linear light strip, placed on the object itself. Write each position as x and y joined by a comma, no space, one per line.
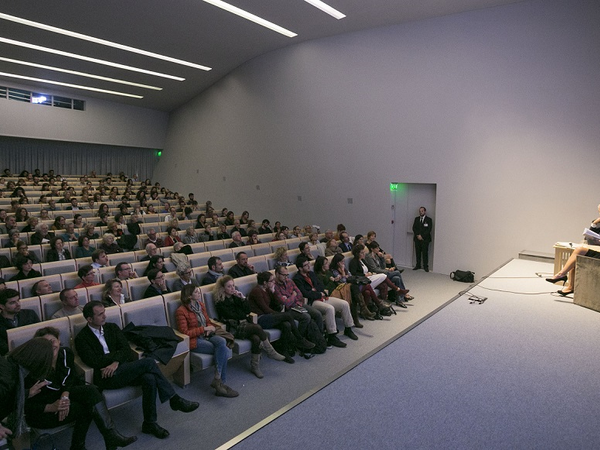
326,8
251,17
95,40
82,74
76,86
87,58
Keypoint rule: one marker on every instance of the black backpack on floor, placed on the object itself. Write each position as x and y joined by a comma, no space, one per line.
314,335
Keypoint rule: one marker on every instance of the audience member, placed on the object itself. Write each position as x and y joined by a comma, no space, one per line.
41,235
12,316
104,347
241,268
123,271
112,294
215,271
157,284
156,262
57,251
25,266
237,240
151,250
70,304
87,275
192,320
41,287
153,239
185,277
234,311
99,258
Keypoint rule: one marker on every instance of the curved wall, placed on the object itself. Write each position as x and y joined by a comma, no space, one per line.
497,107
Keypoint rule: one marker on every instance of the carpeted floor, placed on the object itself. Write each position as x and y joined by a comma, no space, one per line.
518,371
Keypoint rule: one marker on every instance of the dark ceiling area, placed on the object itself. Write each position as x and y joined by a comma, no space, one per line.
190,30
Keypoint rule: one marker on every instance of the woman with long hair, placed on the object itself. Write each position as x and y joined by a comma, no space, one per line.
340,275
233,309
192,320
358,268
156,262
57,395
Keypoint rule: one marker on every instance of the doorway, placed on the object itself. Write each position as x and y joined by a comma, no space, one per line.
406,198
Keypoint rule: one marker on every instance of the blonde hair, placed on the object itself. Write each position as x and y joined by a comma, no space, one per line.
219,289
280,252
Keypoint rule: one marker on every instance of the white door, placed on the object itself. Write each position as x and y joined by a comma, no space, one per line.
406,200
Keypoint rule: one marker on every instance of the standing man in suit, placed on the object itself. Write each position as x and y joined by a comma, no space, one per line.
104,347
422,236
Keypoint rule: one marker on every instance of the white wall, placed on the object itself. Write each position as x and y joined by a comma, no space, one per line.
499,108
102,122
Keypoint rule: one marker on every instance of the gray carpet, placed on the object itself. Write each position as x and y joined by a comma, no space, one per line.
219,420
519,371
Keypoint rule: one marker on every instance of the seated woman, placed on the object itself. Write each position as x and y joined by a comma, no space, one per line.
102,209
252,237
229,218
244,218
32,222
78,221
59,223
201,221
112,294
358,268
332,248
57,251
89,231
192,320
61,396
172,237
156,262
223,234
23,250
13,238
375,261
87,275
337,288
313,238
83,249
567,273
281,257
109,245
233,309
340,275
260,299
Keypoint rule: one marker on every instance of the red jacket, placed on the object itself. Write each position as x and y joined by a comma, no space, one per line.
187,323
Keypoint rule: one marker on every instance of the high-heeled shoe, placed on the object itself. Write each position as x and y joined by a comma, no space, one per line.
565,293
557,279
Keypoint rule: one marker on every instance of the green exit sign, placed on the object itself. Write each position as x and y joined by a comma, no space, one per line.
394,186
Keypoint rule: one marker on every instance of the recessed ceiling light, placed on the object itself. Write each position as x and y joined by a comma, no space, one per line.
82,74
85,37
251,17
75,86
326,8
87,58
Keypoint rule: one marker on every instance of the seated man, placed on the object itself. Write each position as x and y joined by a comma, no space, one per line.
185,278
237,240
123,271
328,236
265,227
237,227
345,245
70,235
153,239
12,316
104,347
242,268
41,287
157,284
215,271
99,259
25,266
313,290
304,248
287,294
151,250
70,304
9,223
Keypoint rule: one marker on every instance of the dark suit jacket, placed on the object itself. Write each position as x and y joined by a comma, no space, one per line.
424,229
151,291
90,350
345,247
355,268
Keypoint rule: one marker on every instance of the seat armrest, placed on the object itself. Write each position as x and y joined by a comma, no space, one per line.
83,369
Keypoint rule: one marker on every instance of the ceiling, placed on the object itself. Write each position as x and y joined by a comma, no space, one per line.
190,30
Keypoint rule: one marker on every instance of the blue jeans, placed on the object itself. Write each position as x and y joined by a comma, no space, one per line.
215,345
